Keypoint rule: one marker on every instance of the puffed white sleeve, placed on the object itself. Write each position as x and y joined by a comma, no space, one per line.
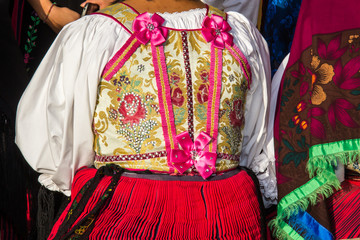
55,113
257,150
249,8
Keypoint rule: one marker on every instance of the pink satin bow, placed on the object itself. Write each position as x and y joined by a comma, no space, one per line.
193,154
215,29
149,29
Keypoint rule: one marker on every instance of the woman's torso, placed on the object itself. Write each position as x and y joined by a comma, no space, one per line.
155,96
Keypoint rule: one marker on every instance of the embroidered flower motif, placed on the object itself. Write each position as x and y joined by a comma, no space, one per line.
303,124
122,80
177,97
113,114
215,30
132,109
231,77
354,41
320,74
203,94
174,79
148,28
346,77
204,76
236,114
141,68
31,38
339,110
317,129
301,106
332,51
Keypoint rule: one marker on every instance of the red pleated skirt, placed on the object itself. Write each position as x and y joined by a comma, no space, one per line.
344,210
190,208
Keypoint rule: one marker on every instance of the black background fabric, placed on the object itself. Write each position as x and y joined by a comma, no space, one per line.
17,180
12,166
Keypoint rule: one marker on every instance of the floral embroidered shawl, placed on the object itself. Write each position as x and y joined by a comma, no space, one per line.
317,123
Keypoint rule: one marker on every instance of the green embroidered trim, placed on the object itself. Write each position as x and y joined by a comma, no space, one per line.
323,159
324,156
31,37
31,34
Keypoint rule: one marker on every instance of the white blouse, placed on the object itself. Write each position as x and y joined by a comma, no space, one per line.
249,8
55,113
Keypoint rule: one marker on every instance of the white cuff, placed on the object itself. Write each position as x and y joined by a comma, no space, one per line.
264,169
46,180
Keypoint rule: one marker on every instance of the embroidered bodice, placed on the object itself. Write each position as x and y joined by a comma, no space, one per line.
166,83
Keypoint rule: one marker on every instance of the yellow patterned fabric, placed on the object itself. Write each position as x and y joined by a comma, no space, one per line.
127,120
122,13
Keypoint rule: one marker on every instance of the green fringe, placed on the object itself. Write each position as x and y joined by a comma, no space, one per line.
277,231
318,164
322,167
325,191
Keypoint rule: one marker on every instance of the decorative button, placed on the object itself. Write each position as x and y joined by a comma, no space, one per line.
151,27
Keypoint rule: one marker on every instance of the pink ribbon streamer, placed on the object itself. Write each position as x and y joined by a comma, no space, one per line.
193,154
150,29
215,30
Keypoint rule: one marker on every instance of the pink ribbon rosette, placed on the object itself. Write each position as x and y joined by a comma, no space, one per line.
148,28
192,154
215,29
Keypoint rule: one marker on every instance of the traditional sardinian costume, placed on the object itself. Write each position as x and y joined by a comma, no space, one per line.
183,96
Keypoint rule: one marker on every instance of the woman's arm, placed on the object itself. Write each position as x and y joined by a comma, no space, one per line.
56,17
55,113
256,134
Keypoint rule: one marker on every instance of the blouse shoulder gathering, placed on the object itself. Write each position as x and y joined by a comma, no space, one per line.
60,100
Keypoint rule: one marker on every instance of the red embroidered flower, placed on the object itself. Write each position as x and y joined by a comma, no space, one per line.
177,97
204,76
316,127
236,114
203,94
347,77
332,51
338,110
132,109
174,79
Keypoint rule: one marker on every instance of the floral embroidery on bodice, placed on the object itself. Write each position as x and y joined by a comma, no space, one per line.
160,85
